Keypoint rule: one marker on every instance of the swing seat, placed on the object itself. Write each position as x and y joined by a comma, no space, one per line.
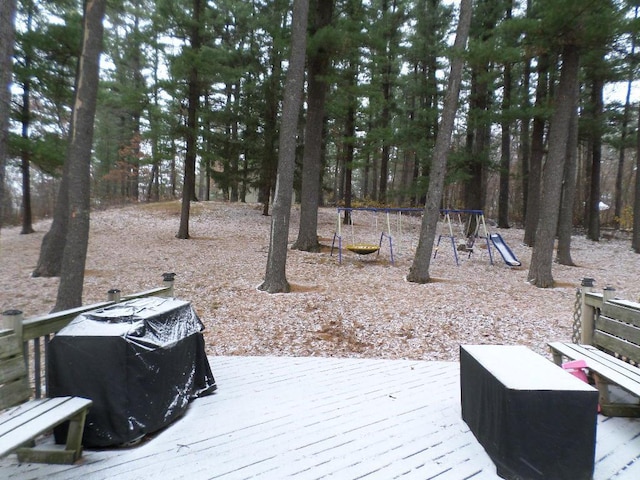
363,248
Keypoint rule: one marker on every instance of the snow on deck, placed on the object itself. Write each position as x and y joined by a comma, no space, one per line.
312,418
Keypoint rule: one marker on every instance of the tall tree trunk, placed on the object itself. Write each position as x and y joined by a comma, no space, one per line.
234,162
593,230
525,140
505,150
348,152
153,190
269,161
388,10
50,258
7,32
275,280
79,159
565,221
478,139
27,226
349,128
540,273
537,153
635,239
193,98
617,212
480,103
419,271
312,159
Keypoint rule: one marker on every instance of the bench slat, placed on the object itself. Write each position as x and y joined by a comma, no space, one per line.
617,371
573,350
26,422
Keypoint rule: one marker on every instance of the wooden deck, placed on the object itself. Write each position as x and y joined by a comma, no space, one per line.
313,418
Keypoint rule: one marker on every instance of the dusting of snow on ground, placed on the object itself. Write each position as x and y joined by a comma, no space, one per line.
363,307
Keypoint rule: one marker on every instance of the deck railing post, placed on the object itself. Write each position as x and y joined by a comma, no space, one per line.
113,295
12,319
608,293
168,279
588,313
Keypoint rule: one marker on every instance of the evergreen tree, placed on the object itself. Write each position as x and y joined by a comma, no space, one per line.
79,160
275,280
7,30
321,46
419,271
574,28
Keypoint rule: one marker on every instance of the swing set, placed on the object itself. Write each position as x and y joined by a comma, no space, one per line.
470,230
354,242
470,224
357,245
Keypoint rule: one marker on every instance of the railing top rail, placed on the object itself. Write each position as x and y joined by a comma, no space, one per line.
47,324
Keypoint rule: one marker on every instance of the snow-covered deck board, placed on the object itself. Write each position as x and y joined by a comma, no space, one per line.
312,418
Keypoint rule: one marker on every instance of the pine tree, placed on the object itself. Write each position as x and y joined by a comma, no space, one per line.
79,155
320,48
275,280
419,271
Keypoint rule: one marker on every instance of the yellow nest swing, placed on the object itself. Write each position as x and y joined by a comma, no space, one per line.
362,248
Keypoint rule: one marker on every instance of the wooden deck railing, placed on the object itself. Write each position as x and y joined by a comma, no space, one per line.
594,303
38,331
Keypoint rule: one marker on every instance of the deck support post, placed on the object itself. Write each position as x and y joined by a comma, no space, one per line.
588,313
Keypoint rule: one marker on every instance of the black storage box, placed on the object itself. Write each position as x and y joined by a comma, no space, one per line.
140,361
535,420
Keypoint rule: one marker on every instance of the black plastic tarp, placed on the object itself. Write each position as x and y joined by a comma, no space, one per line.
140,361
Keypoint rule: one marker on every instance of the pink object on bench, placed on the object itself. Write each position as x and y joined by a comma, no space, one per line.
576,368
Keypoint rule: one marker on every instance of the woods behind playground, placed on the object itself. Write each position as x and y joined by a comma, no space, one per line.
360,308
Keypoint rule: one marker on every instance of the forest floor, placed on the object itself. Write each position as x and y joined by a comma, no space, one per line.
362,307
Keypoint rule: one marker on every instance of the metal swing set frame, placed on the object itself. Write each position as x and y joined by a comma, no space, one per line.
480,231
386,235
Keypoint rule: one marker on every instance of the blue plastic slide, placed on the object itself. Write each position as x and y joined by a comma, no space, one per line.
508,256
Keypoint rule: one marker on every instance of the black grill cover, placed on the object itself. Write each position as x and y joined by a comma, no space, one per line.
140,361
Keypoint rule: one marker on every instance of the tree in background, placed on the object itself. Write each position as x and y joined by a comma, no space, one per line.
194,90
540,273
423,93
635,241
275,280
625,134
419,271
79,159
574,36
385,83
45,64
7,14
53,243
276,18
536,156
321,44
482,37
505,124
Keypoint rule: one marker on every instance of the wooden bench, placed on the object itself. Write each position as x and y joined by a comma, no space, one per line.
24,420
610,346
